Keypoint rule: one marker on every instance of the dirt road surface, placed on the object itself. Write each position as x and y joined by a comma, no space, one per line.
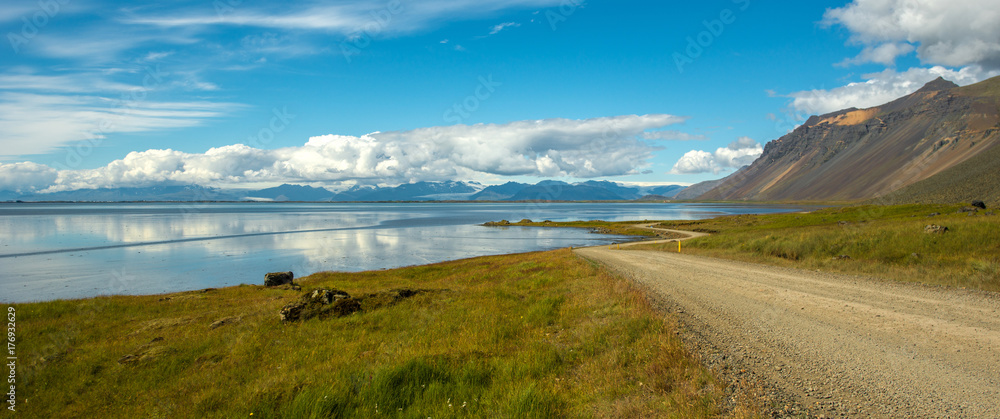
828,344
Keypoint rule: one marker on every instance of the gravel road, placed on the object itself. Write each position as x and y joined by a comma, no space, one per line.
829,345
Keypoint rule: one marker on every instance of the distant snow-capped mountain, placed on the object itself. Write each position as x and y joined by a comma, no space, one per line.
547,190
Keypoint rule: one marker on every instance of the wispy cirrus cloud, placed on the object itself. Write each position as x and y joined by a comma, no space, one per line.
103,54
82,82
339,17
671,135
40,123
500,27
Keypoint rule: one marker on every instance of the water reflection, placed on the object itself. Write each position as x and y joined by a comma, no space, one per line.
54,251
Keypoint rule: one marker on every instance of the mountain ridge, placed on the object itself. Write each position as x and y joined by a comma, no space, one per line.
857,154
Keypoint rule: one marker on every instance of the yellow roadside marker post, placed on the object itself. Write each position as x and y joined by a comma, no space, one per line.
678,246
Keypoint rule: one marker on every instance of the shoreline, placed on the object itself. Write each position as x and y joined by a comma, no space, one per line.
135,249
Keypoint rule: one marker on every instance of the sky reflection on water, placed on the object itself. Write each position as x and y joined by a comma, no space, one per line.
53,251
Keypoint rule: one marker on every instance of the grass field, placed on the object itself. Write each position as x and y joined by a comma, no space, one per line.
883,241
531,335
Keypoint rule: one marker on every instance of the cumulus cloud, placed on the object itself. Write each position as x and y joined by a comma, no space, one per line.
880,88
739,153
961,35
26,177
942,32
586,148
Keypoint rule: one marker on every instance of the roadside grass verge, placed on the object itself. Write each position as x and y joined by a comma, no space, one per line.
881,241
530,335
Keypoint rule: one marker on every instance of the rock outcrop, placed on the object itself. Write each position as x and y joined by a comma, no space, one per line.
275,279
326,303
320,303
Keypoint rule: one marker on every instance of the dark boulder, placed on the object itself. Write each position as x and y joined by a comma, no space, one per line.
275,279
979,204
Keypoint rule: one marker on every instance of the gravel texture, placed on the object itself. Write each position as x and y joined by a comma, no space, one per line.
813,344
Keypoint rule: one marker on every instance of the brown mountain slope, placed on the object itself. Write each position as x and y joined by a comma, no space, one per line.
977,178
859,154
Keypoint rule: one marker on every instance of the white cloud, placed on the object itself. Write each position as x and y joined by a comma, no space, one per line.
945,32
83,82
100,45
880,88
884,54
369,15
587,148
670,135
156,56
25,177
739,153
38,123
496,29
695,161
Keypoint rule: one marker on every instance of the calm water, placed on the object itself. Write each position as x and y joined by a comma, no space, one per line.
53,251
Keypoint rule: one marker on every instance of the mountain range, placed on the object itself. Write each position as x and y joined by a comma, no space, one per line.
938,144
420,191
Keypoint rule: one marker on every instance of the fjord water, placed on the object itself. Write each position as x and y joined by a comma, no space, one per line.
54,251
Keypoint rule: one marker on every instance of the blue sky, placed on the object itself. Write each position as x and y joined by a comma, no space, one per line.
240,93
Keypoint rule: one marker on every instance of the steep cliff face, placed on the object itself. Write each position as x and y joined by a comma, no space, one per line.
864,153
